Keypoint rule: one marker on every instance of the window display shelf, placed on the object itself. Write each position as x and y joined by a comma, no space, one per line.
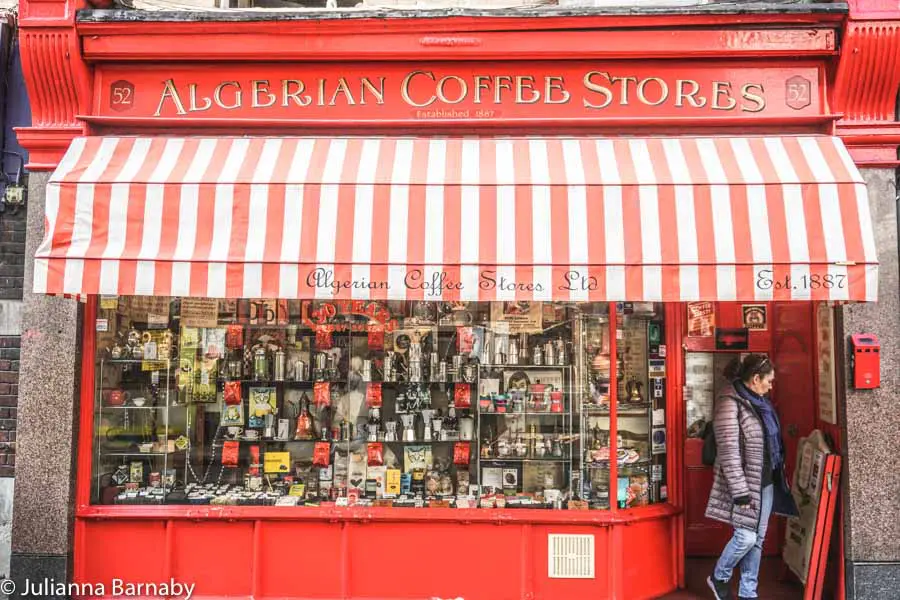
139,453
165,363
308,383
145,407
521,367
604,464
339,442
525,414
424,443
535,460
621,410
542,449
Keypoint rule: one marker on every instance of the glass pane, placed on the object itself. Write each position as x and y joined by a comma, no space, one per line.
704,378
265,402
640,423
595,369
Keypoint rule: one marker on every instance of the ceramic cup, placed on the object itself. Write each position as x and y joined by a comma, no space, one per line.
118,397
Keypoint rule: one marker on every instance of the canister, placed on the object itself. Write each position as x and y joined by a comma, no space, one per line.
260,365
279,365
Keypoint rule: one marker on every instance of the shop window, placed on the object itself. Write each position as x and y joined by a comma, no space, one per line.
397,403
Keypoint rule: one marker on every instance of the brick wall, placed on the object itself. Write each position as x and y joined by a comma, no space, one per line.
12,273
9,393
12,254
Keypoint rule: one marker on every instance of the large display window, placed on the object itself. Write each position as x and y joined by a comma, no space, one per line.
388,403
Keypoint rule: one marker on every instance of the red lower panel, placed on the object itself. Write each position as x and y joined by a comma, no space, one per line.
387,560
299,559
441,559
647,559
122,550
597,588
217,556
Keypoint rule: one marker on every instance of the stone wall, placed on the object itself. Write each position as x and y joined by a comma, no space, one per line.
44,500
872,418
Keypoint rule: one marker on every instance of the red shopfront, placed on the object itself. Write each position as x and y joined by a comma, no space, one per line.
475,182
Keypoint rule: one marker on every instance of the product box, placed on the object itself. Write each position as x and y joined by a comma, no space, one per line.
357,473
392,482
277,462
510,481
379,476
137,472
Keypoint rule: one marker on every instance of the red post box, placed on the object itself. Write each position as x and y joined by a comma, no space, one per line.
865,361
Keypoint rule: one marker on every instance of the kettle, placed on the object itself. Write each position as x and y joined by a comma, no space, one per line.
633,391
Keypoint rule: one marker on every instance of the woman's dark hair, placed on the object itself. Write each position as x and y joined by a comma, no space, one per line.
753,364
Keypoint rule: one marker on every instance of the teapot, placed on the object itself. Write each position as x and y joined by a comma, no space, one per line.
633,391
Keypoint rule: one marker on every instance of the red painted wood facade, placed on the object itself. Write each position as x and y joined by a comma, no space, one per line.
809,65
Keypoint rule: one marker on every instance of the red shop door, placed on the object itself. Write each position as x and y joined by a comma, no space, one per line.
703,379
789,341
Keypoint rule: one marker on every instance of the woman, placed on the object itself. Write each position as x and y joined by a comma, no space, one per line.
749,480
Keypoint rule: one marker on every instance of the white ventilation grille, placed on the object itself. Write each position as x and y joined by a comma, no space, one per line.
570,556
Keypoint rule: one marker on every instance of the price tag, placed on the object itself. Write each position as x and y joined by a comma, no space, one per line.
154,377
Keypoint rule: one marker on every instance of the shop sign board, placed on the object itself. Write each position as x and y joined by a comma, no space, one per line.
735,338
518,91
814,490
825,363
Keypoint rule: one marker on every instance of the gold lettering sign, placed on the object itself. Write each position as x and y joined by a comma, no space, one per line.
420,88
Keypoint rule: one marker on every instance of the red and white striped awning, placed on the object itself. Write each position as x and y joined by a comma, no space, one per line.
668,219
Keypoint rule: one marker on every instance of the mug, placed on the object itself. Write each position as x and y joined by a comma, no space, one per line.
251,434
118,397
234,432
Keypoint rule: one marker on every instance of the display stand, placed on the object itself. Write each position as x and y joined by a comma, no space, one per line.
815,582
815,489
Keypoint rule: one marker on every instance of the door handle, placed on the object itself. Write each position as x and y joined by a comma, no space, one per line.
793,430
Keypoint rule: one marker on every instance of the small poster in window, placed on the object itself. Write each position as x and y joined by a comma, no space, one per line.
277,462
521,316
264,311
755,316
262,403
199,312
658,440
491,479
521,380
233,415
701,319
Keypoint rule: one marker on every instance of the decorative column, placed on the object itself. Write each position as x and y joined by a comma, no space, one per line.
866,93
58,84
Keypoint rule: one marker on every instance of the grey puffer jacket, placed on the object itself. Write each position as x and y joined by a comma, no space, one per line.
741,443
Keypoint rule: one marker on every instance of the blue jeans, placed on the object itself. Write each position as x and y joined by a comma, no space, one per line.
745,550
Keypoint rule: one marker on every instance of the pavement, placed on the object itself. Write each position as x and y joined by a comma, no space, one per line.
774,583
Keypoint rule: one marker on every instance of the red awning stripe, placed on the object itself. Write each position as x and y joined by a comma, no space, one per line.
663,218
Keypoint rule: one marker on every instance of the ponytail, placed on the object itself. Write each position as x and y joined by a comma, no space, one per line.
752,365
